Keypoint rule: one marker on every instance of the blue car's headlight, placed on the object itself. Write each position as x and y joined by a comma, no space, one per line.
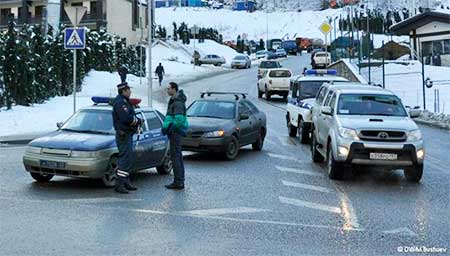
33,150
84,154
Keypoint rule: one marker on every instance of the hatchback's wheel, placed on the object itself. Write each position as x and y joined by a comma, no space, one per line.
267,93
315,154
335,171
260,93
259,143
109,177
414,174
304,133
232,149
41,177
166,167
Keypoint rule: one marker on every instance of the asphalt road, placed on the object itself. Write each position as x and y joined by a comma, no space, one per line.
274,202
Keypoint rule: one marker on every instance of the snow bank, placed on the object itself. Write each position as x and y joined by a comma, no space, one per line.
406,82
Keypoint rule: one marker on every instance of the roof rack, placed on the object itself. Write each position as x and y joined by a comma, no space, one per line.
236,94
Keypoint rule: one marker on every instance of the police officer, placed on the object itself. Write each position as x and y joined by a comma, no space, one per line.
126,124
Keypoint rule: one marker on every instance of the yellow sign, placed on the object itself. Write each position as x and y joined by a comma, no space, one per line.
325,28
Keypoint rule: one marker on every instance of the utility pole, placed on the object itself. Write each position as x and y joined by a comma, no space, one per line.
149,55
267,25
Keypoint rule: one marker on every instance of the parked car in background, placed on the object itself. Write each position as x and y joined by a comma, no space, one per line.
281,53
224,122
274,81
272,56
267,64
357,124
212,59
241,61
290,46
262,54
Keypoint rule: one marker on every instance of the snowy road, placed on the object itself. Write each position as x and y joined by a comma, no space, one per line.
276,202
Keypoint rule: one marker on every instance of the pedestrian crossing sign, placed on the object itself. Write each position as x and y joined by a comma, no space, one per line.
74,38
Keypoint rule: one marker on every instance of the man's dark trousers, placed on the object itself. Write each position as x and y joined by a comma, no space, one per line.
177,158
125,164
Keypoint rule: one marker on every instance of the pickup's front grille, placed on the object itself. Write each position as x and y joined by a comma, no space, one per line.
377,135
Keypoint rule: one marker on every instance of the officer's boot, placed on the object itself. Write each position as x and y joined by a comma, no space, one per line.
120,186
129,186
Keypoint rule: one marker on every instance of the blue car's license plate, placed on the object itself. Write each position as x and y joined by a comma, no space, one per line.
52,164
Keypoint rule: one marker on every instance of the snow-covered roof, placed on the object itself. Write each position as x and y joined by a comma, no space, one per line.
404,27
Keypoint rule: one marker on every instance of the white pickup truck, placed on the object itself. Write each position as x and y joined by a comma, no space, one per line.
321,60
274,81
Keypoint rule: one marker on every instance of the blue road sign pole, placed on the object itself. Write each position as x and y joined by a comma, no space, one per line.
75,38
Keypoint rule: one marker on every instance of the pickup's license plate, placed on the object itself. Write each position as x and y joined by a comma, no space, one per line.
52,164
383,156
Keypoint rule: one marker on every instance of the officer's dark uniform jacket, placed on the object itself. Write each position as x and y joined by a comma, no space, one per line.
124,117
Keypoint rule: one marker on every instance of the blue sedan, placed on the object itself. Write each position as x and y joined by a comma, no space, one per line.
84,146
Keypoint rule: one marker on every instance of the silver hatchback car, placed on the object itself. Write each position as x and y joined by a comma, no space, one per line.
356,124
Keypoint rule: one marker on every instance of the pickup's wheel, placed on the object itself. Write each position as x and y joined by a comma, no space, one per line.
267,93
315,154
304,133
41,177
414,174
166,167
232,149
109,177
292,130
335,170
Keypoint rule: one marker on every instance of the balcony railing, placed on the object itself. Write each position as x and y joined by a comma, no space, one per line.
88,19
33,20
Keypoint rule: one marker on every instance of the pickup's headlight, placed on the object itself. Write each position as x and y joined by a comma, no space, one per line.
414,135
214,134
33,150
84,154
348,133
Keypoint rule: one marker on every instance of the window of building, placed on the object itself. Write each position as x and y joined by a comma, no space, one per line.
135,14
39,11
447,46
438,47
93,8
77,4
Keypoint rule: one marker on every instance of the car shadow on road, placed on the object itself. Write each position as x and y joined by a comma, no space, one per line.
376,176
217,157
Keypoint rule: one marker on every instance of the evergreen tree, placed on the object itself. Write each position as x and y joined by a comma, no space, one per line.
175,32
261,45
39,66
10,65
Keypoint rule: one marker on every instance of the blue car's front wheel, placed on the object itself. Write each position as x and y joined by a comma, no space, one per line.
109,177
166,167
41,177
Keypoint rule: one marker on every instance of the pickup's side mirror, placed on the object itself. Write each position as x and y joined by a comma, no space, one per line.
244,117
59,125
327,111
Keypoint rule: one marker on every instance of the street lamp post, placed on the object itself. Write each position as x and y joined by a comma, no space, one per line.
149,56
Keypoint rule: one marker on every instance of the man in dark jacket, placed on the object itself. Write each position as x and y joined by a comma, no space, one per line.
126,124
160,73
175,125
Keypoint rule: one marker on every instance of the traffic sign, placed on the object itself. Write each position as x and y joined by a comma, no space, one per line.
75,38
75,14
195,30
325,28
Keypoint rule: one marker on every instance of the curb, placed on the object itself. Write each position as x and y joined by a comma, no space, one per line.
432,124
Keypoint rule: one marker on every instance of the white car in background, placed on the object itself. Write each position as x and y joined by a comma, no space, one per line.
275,81
321,60
262,54
241,61
212,59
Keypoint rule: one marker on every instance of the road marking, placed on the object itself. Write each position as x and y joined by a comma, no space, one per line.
310,205
283,157
75,200
298,171
180,214
223,211
400,231
305,186
348,212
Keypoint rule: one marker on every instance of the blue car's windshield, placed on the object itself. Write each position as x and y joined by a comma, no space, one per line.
91,121
212,109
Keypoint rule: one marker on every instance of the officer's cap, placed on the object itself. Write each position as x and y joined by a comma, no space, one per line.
123,86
